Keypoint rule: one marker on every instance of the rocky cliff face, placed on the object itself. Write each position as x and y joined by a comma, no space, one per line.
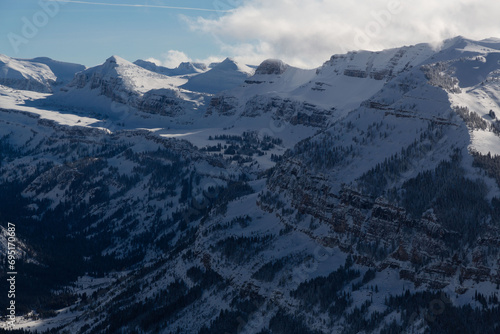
382,65
380,234
163,102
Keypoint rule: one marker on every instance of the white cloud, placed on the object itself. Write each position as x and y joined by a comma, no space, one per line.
173,58
154,61
307,33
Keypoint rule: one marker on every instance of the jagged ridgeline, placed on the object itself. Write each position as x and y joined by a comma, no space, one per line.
359,197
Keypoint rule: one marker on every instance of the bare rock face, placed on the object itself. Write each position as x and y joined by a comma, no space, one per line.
166,102
283,109
381,234
294,112
223,105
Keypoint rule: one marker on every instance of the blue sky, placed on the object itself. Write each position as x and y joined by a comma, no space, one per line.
89,34
302,33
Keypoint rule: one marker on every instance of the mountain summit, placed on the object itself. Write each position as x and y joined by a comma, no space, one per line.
25,75
223,76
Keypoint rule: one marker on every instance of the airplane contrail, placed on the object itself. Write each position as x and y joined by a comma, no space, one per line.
148,6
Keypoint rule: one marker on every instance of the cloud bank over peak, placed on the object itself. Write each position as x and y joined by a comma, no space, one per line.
306,34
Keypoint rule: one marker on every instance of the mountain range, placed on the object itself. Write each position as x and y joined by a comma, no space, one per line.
362,196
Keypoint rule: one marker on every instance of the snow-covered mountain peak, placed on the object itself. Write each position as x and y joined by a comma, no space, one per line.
230,64
461,42
459,47
491,40
26,75
120,81
454,42
131,76
492,43
272,66
223,76
116,60
114,66
380,65
24,68
117,64
190,67
184,68
64,71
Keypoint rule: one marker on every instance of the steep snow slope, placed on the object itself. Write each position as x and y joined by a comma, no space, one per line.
63,71
26,75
